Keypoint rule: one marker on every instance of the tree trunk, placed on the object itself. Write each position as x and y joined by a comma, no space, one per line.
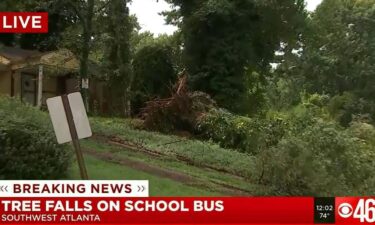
86,39
121,35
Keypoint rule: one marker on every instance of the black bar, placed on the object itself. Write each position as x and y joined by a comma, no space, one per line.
324,210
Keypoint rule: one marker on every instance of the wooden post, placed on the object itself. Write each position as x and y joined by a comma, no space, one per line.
40,87
75,141
85,91
12,84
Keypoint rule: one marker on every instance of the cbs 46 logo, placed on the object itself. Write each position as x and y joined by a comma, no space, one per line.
364,211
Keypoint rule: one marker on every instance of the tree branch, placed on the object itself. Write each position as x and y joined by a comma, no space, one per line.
77,12
102,7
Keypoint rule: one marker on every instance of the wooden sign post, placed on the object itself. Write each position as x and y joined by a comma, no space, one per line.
70,122
75,140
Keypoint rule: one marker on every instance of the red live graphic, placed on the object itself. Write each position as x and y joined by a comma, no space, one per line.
23,22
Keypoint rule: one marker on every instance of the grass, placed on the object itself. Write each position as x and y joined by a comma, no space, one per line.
199,152
101,170
209,179
206,182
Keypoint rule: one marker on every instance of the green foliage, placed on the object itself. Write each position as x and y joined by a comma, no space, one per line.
346,107
282,93
224,41
154,73
251,135
338,50
315,100
28,147
219,50
140,40
318,157
255,97
363,131
117,63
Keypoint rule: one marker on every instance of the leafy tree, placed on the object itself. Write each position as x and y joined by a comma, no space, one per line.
154,71
141,39
117,55
337,55
225,41
85,15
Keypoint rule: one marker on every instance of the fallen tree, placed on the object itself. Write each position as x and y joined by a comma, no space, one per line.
180,112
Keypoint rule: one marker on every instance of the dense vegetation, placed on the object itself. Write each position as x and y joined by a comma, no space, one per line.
302,151
294,89
225,41
28,148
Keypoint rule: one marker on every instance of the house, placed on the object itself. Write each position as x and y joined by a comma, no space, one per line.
33,76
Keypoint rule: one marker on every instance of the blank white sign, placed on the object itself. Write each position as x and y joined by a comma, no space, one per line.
59,121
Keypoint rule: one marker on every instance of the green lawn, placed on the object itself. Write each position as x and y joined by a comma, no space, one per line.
201,153
208,179
203,156
102,170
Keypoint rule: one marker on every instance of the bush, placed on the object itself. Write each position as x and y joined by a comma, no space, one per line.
344,108
28,147
246,134
315,100
363,131
321,159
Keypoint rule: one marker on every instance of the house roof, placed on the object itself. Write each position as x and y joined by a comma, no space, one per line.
18,54
57,62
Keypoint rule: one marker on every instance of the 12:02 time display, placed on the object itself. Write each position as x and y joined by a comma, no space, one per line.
324,207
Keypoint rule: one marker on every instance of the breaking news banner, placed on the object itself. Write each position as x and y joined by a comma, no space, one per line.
127,202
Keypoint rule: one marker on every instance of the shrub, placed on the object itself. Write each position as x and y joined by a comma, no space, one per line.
320,159
283,93
344,108
315,99
363,131
28,147
243,133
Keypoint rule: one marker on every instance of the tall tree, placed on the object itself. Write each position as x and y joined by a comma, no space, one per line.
225,41
339,52
86,17
86,38
84,12
119,28
155,66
